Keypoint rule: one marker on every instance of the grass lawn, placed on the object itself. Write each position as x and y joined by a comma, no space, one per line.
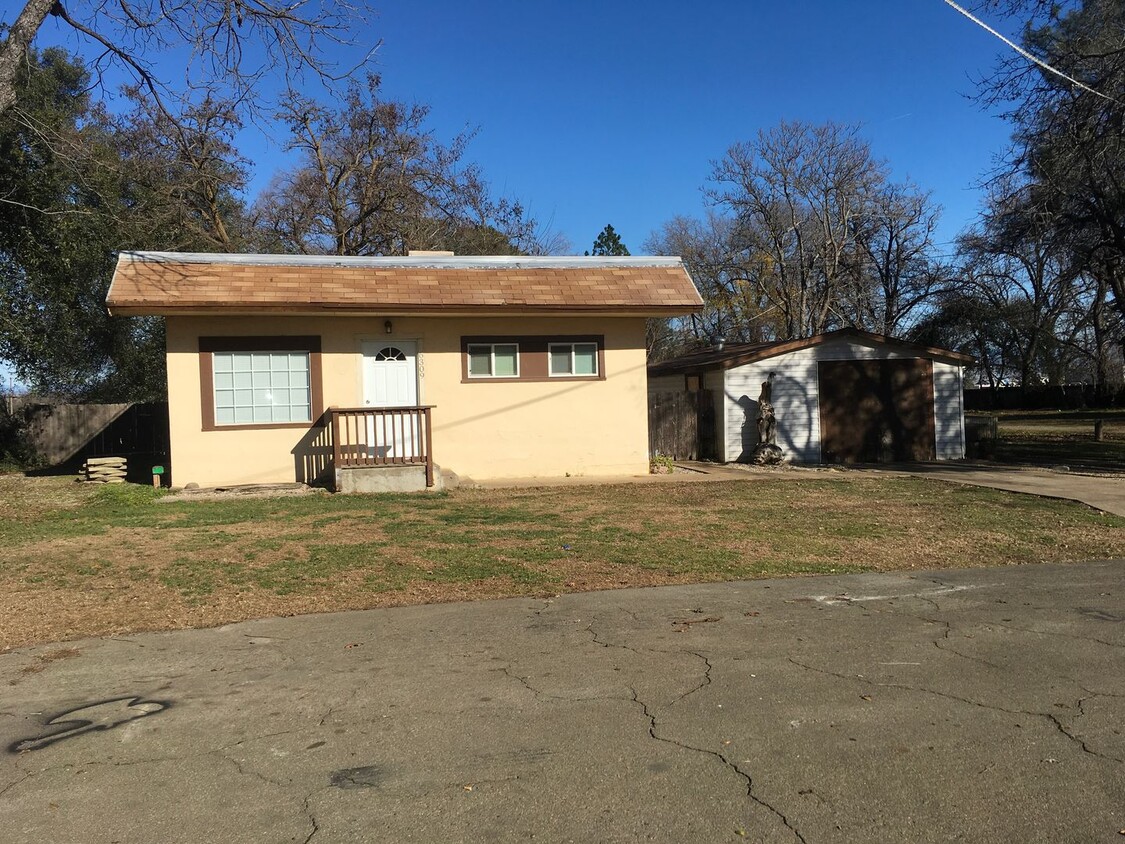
81,560
1066,437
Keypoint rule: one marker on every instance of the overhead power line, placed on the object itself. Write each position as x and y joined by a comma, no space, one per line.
1029,56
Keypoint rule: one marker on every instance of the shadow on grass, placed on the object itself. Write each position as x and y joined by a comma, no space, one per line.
1071,451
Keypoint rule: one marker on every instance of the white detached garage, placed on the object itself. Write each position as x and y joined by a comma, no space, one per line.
847,396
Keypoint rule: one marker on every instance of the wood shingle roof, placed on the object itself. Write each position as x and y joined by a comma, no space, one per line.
162,283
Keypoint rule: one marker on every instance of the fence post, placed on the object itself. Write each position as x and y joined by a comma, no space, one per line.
335,438
429,451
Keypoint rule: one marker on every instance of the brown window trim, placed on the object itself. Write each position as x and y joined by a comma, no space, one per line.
279,343
534,362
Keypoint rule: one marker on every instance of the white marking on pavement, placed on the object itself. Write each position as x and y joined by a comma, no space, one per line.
852,599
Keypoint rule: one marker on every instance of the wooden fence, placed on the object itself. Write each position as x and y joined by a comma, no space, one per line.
678,423
1043,397
62,433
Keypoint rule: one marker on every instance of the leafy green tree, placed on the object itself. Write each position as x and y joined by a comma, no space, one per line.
76,187
609,243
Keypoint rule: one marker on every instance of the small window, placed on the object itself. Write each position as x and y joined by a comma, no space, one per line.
573,359
390,353
253,388
494,360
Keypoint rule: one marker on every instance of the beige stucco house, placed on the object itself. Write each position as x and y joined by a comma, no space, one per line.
365,372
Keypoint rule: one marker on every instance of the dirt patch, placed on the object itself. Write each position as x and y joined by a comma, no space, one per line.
41,662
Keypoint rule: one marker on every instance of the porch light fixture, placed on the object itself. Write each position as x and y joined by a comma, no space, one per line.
387,326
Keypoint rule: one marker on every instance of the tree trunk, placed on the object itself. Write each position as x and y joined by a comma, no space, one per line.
1101,350
15,47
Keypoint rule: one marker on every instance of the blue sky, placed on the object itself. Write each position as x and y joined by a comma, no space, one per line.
601,112
595,113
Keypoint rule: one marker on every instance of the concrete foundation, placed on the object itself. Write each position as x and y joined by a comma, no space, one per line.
385,479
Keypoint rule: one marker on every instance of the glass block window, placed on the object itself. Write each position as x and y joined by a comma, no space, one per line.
254,388
494,360
573,358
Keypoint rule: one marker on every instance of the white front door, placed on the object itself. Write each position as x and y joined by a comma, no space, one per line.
390,379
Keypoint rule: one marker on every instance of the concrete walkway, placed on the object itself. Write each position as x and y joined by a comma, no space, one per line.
1102,492
968,705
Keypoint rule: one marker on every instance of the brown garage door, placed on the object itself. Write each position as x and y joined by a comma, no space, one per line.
876,411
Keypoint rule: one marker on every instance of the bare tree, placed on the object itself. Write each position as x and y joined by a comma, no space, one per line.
232,44
735,307
894,274
806,233
189,167
373,180
1068,140
796,195
1022,268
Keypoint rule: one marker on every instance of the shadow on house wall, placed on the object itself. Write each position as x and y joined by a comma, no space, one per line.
312,456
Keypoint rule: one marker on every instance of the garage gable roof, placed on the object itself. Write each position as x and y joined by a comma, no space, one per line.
164,283
739,354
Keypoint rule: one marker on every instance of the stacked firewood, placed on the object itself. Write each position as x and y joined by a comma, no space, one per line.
103,470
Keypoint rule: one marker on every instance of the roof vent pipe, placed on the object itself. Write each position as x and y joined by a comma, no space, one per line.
717,343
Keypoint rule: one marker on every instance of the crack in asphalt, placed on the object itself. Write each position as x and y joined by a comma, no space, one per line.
599,641
946,649
707,666
1093,692
1056,633
351,696
539,693
945,637
704,683
309,814
243,741
28,775
250,772
947,631
1079,741
929,601
950,627
180,757
150,761
747,778
596,638
922,689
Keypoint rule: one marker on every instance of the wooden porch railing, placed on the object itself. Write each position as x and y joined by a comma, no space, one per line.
382,436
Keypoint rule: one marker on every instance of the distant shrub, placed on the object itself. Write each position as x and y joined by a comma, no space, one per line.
16,451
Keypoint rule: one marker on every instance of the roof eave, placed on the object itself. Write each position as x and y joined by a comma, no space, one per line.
367,309
736,360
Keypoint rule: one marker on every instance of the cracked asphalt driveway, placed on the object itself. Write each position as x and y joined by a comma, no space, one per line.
972,705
